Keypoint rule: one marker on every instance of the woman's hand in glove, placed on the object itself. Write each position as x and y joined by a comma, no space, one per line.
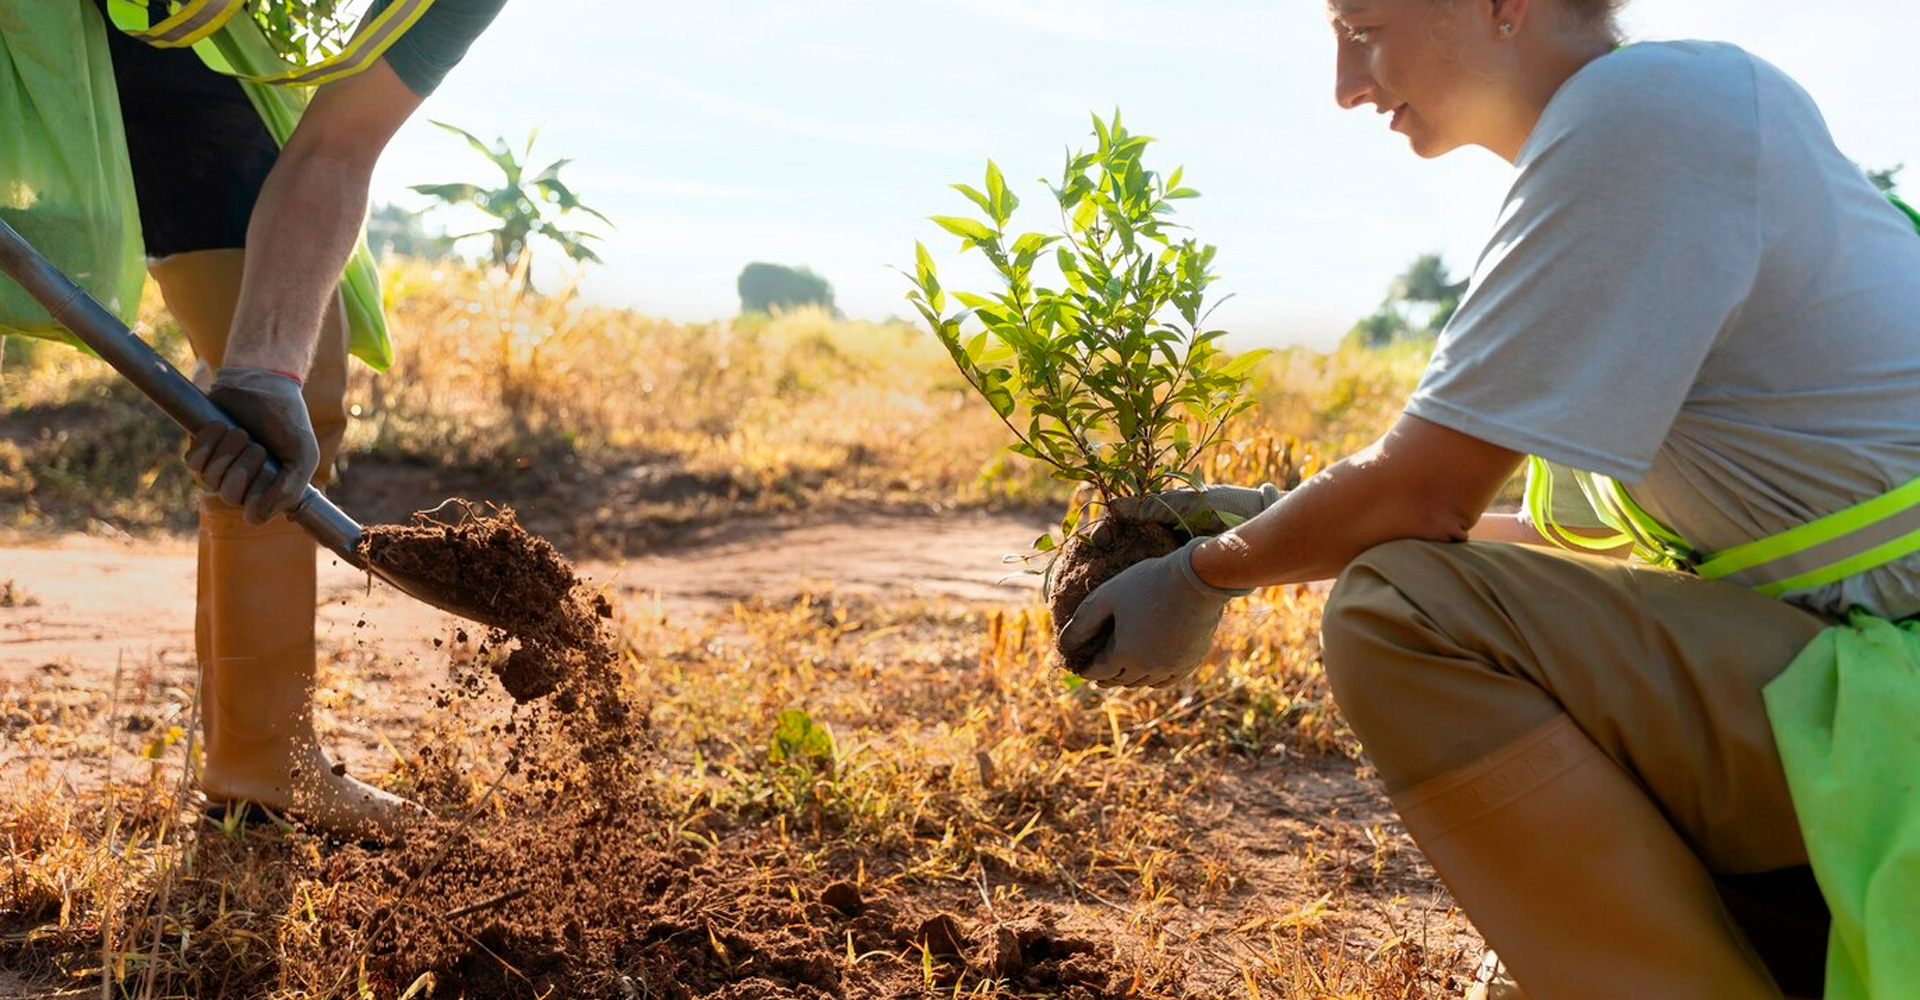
1162,616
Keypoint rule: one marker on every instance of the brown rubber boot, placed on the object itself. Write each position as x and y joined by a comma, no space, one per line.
254,625
254,635
1493,982
1577,879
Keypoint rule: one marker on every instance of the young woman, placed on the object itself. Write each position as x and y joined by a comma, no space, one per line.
1690,291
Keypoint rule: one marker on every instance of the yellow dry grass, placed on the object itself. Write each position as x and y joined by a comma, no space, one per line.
964,764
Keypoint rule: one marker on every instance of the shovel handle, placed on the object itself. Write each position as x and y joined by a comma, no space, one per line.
174,393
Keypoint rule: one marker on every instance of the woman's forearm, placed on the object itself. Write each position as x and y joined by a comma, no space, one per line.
303,230
1506,528
1420,481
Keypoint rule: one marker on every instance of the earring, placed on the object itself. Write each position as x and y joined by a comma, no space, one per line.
1506,29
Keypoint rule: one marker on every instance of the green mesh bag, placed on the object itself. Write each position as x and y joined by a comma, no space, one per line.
65,182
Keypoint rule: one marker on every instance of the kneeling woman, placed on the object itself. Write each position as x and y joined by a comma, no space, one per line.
1691,292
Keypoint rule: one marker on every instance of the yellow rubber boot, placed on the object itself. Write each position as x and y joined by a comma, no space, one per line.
255,637
1578,880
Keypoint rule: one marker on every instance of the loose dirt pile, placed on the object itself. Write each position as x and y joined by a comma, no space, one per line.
1091,558
568,875
592,906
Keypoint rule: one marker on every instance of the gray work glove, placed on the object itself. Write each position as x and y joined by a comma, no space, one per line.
273,421
1208,510
1163,616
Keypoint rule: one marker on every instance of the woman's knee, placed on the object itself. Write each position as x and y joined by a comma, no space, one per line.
1370,616
1406,669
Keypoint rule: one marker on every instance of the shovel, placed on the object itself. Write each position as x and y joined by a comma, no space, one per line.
180,399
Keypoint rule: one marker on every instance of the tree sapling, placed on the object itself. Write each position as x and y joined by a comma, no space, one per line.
1100,364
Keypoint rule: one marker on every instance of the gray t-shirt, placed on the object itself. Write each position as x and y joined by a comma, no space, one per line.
1691,290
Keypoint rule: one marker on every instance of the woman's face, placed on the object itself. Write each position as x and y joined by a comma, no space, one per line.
1431,64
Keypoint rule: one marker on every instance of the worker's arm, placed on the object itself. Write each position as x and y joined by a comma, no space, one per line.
1506,528
309,215
1510,528
1420,480
1155,620
303,228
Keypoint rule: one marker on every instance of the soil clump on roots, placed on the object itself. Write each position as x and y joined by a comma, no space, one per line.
1091,558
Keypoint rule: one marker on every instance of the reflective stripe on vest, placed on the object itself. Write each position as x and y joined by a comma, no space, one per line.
196,20
1816,554
193,21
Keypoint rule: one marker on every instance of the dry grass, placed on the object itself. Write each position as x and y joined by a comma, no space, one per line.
799,406
962,770
962,767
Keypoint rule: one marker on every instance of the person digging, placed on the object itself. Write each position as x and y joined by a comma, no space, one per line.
1695,298
247,238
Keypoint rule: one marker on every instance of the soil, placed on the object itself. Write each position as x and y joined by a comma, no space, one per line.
573,875
597,905
1091,558
524,588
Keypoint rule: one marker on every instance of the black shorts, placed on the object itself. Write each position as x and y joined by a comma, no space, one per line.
199,150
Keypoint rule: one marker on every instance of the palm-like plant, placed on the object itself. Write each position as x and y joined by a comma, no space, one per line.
522,207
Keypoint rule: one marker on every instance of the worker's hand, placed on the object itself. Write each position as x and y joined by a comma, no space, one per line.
1163,617
273,421
1208,510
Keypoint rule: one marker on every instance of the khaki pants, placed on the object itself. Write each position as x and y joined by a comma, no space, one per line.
1442,654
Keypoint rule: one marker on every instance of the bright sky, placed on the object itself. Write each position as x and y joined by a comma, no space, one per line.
824,133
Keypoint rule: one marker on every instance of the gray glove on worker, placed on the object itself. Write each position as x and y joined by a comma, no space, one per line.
273,420
1208,510
1162,616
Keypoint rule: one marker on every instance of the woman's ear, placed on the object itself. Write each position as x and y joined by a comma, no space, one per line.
1508,17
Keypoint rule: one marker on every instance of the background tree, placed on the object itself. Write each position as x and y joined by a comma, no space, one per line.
1418,305
521,207
394,230
766,287
1887,180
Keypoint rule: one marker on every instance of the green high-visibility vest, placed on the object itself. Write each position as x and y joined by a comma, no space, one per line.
1845,714
233,45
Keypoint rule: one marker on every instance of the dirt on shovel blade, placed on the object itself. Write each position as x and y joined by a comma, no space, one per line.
552,626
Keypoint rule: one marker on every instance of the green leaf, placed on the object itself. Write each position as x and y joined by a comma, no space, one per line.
1033,243
1044,543
1003,201
452,194
487,151
1178,193
973,194
1240,366
796,737
966,229
923,262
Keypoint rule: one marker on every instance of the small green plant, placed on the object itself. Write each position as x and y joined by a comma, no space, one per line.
522,207
1101,364
797,739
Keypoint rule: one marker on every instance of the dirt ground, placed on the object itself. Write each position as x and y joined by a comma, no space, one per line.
90,608
94,600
